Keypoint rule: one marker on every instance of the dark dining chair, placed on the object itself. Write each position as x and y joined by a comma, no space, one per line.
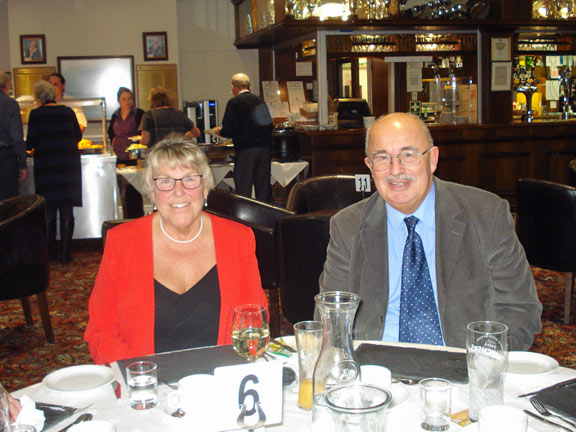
330,192
261,217
301,243
572,173
24,258
546,227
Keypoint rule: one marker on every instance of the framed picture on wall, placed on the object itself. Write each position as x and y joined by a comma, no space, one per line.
33,49
501,76
155,46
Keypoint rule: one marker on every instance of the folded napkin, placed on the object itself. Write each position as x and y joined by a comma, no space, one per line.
415,362
560,400
29,415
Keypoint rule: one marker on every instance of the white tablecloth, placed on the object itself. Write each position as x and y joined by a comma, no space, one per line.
402,418
282,173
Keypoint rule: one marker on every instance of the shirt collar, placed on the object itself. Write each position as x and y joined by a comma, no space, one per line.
426,212
243,91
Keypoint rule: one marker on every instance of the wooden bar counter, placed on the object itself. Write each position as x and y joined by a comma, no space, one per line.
488,156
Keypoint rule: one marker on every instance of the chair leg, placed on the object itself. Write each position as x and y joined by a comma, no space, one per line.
568,296
274,309
45,314
27,312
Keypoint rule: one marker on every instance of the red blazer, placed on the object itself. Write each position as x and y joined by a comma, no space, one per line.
121,323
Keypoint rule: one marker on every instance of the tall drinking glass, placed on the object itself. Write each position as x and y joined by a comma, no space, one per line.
309,342
487,358
4,412
250,331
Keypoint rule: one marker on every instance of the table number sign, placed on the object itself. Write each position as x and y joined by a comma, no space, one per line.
362,182
250,396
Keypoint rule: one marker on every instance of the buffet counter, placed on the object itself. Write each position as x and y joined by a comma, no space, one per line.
99,194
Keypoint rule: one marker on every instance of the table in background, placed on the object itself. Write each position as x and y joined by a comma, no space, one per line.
402,418
282,173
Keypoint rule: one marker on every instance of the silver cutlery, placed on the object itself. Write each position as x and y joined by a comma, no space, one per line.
545,420
283,345
560,384
546,413
80,419
173,386
407,381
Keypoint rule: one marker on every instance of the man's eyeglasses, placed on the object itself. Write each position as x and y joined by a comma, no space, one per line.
407,158
189,182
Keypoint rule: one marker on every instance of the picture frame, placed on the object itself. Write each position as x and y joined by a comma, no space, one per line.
501,77
33,49
155,46
501,49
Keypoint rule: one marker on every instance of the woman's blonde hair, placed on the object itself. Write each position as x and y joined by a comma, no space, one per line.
177,151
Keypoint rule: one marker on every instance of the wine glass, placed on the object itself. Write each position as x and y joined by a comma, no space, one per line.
250,331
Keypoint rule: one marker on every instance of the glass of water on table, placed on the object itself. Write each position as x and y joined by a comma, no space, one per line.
487,359
142,378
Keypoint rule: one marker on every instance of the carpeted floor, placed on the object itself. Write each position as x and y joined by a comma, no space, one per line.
25,357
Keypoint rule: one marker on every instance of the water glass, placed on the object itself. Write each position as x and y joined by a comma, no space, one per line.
435,404
250,331
4,411
142,378
502,417
22,428
487,358
357,407
309,342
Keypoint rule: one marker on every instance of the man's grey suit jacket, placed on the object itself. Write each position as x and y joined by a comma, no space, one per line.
481,269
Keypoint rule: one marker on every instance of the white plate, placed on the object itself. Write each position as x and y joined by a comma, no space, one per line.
79,378
474,428
399,396
93,426
530,363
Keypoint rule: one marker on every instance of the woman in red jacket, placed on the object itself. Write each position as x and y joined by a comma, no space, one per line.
171,280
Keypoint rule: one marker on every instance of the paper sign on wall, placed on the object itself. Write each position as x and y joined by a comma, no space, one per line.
414,77
295,95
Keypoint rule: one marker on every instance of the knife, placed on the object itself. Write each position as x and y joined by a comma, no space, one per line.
283,345
560,384
542,419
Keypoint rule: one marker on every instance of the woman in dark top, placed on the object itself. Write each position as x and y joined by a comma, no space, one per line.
53,134
125,123
162,119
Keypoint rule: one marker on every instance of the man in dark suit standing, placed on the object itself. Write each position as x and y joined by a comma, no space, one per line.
248,122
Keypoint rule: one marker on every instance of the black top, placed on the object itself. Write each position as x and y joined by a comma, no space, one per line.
187,320
248,122
53,133
161,122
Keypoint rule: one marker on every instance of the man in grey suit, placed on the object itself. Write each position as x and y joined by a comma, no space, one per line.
476,265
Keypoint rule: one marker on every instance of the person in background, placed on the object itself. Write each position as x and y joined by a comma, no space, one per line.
12,148
53,134
171,280
59,83
124,124
161,120
248,122
33,52
428,256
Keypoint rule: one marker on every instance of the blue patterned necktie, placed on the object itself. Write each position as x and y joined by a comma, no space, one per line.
419,322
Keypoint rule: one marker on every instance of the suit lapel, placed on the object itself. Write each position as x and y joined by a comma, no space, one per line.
449,233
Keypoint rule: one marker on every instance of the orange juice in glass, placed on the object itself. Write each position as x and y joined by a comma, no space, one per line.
309,342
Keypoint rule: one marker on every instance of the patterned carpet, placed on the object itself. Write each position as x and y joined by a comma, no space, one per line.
26,357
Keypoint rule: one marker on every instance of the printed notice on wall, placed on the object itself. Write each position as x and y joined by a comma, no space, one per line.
295,95
414,77
278,109
271,91
303,68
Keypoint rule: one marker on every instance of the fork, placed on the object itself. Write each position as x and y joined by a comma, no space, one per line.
546,413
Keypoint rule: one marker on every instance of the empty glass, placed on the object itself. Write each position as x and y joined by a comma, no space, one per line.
435,404
357,407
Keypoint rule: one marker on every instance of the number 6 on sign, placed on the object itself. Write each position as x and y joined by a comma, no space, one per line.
250,395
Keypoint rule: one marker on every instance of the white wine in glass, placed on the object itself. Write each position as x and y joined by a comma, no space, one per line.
250,331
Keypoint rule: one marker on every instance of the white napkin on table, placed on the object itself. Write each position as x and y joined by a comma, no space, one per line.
29,414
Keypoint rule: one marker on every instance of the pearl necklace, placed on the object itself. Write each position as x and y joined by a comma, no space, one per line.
182,241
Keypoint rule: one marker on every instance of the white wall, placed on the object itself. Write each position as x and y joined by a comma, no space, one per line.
208,57
200,37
